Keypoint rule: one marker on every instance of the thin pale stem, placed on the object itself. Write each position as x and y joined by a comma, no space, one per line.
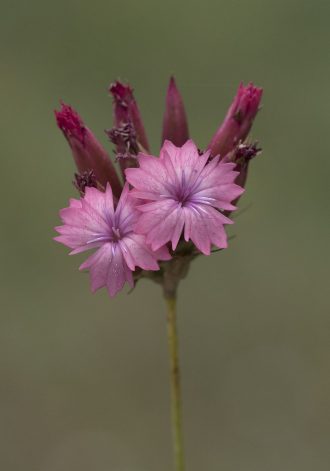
175,383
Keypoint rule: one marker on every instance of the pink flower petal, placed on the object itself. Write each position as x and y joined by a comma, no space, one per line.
136,253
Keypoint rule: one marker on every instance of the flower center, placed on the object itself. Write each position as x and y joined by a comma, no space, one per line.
183,192
115,234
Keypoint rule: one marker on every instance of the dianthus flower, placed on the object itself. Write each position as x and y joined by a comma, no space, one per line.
93,222
168,210
183,191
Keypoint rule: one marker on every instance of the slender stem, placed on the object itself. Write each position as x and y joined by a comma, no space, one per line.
175,383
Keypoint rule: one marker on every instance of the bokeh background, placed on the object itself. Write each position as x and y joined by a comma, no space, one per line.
84,380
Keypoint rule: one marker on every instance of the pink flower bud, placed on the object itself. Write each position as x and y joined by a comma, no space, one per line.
175,125
88,153
238,121
126,113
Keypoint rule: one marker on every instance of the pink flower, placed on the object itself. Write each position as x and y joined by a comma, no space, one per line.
182,192
93,222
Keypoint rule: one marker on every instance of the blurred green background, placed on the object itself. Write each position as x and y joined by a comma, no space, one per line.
84,380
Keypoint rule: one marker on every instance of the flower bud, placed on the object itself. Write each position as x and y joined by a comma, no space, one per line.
126,111
88,153
126,115
175,125
238,121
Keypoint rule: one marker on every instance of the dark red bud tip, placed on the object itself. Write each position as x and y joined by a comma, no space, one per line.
248,101
122,93
70,123
172,88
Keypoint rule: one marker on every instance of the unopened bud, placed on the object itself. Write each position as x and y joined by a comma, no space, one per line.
88,153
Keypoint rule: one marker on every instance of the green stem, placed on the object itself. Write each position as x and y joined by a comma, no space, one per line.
175,383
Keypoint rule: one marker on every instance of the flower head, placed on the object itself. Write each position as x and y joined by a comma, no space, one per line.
185,195
93,222
88,153
183,192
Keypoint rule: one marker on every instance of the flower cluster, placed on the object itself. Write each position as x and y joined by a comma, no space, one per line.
169,208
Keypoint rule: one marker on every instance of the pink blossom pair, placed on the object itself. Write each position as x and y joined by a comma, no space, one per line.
182,195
